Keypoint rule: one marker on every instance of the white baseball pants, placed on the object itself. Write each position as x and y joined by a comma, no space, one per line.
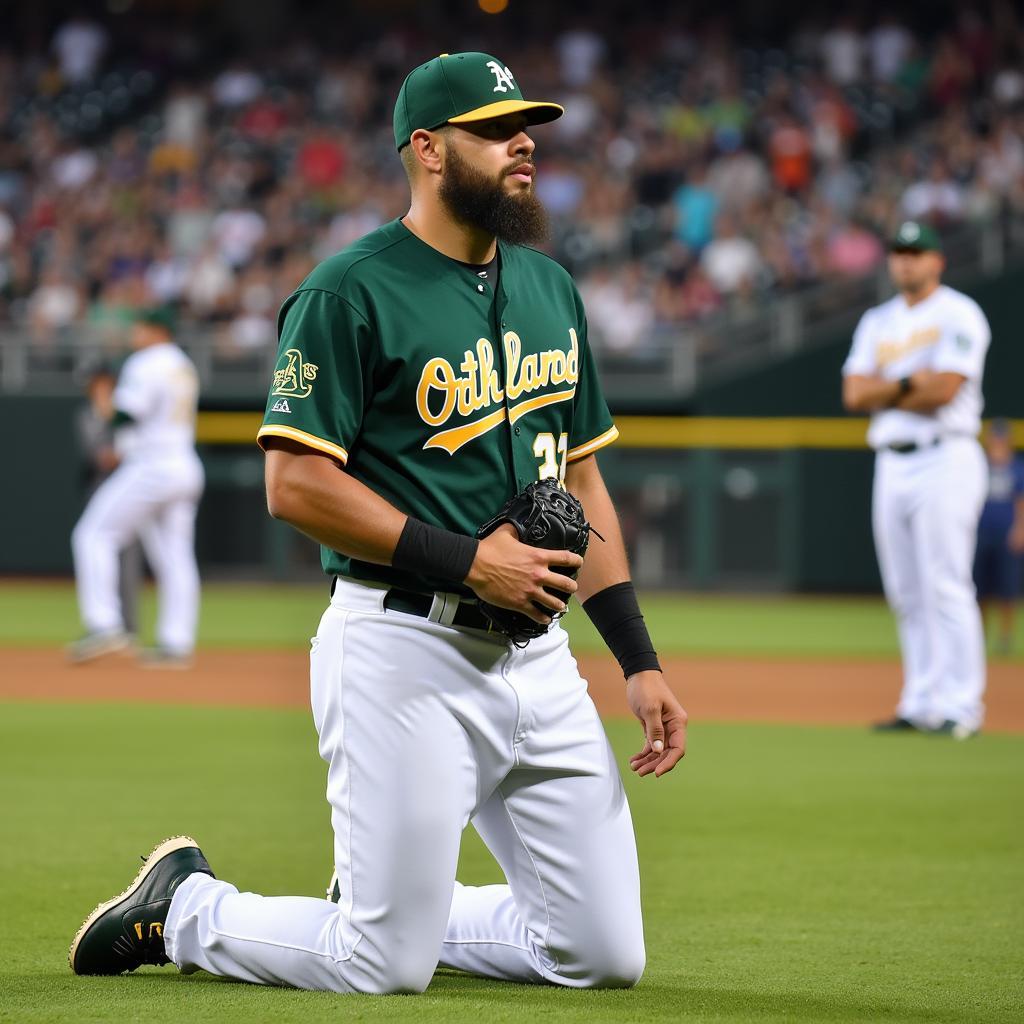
424,729
925,513
155,501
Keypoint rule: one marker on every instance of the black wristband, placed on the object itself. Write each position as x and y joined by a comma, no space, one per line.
617,616
905,385
430,551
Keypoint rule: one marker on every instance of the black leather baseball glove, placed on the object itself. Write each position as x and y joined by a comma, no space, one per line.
545,515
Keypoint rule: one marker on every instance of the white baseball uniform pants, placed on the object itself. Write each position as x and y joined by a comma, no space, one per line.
925,513
424,729
155,501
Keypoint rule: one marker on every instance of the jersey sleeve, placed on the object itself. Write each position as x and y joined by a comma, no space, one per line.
963,344
322,374
861,360
592,426
133,395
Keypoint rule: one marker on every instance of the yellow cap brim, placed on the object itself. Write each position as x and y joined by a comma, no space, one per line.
537,113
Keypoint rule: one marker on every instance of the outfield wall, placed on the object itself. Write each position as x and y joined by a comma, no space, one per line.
762,504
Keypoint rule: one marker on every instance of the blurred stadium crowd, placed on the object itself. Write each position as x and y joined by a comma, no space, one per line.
695,169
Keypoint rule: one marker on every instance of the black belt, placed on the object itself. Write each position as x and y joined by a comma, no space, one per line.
467,615
910,446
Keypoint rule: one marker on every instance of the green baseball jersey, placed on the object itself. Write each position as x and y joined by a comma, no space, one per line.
440,395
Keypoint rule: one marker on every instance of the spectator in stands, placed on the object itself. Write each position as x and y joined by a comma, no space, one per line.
580,52
80,44
730,260
619,309
210,286
54,306
950,75
851,250
237,233
73,167
254,329
738,178
229,171
790,149
842,49
696,207
236,86
936,198
889,47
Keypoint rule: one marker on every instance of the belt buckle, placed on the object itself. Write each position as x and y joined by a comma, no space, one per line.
443,608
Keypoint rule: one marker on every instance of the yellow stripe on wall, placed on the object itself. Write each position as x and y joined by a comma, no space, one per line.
647,431
228,427
740,432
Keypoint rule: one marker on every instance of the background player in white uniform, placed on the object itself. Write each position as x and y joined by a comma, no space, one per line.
152,495
916,365
96,438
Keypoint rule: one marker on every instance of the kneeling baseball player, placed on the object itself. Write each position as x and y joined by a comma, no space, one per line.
432,423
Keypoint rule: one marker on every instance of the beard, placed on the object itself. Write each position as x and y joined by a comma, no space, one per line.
474,199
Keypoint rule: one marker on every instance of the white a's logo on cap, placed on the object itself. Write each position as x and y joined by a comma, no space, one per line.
502,75
910,232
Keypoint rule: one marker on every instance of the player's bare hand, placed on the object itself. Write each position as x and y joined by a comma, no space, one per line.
664,722
514,575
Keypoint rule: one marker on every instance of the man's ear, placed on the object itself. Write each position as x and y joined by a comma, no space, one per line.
427,149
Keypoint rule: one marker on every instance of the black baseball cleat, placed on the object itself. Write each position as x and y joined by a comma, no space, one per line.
128,931
896,724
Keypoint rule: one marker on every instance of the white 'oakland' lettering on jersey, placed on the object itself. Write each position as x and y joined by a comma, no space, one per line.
945,333
159,388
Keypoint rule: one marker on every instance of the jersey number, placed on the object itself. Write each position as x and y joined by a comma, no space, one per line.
553,453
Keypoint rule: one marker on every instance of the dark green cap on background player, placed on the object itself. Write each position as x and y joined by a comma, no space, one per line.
913,236
162,317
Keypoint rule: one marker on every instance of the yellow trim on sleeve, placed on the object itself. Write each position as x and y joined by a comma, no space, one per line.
310,440
581,451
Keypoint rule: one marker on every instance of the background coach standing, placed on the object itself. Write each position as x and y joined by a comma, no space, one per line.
916,365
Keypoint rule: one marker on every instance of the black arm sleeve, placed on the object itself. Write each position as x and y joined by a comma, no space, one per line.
431,551
616,614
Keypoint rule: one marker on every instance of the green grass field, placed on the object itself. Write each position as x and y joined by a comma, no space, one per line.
790,874
276,616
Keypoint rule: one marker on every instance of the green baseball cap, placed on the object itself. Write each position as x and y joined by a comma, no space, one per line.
157,316
915,237
460,88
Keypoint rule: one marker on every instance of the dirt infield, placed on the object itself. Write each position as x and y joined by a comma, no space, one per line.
720,689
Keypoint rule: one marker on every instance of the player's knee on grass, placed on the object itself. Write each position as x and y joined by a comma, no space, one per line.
404,974
624,970
613,965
